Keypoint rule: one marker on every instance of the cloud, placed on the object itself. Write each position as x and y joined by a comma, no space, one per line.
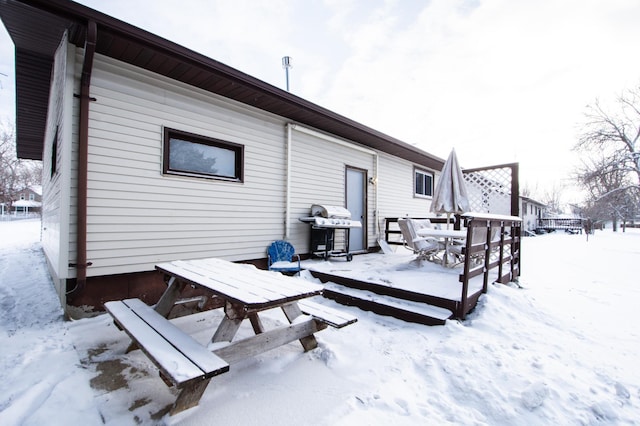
7,73
499,80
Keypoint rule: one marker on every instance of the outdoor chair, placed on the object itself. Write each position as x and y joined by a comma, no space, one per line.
456,257
478,236
426,248
281,257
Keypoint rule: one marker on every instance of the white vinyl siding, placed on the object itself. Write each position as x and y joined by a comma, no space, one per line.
136,216
56,186
318,177
397,193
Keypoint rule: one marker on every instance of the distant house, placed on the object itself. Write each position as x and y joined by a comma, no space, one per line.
153,152
29,203
531,211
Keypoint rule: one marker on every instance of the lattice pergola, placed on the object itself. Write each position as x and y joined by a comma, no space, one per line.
493,189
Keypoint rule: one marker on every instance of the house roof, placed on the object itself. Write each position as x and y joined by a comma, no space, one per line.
36,189
27,203
531,200
36,27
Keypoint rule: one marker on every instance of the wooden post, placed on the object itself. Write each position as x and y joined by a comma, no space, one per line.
292,311
487,257
233,317
189,396
169,297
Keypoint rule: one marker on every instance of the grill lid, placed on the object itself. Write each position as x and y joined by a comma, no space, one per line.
334,212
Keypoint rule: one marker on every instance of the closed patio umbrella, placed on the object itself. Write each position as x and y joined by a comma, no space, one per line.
450,196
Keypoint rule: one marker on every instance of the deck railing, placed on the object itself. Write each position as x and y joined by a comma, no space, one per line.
492,248
493,241
570,224
393,235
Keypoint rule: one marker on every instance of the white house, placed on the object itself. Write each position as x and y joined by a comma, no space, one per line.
153,152
530,212
29,202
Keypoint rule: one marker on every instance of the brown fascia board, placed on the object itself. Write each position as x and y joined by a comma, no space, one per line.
279,102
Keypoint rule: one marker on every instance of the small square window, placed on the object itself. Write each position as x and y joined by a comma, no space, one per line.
187,154
423,186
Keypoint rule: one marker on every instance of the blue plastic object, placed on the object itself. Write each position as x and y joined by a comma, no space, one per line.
281,257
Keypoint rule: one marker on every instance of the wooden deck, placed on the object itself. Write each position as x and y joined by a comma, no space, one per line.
397,284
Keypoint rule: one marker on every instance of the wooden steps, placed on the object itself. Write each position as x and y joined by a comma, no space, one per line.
385,290
399,303
407,310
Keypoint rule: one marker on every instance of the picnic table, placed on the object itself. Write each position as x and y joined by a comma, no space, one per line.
246,292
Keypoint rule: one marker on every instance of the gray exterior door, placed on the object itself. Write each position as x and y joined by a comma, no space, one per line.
356,196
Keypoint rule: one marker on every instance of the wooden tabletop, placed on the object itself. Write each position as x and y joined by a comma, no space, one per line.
241,283
442,233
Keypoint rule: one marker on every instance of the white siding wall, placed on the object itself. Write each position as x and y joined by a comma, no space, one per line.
55,206
73,162
136,215
318,177
529,220
529,213
396,190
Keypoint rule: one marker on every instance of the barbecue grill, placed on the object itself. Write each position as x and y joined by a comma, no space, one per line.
324,220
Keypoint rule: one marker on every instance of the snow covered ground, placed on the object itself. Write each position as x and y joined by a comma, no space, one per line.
560,350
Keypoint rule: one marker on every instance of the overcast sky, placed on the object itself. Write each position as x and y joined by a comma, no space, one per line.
499,80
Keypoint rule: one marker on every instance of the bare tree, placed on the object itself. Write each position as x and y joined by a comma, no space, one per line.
8,165
612,195
610,143
552,197
15,174
527,191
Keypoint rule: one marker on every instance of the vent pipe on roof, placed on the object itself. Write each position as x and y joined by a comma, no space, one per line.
286,64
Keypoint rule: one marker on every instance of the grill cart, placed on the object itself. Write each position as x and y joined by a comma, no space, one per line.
324,221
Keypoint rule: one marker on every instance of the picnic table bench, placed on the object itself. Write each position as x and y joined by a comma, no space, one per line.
180,359
246,291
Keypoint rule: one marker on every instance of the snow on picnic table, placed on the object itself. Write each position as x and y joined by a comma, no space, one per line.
560,350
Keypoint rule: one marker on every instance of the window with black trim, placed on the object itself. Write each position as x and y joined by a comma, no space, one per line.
187,154
423,183
54,153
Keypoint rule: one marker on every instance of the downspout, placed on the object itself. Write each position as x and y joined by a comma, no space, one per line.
83,156
287,206
375,194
